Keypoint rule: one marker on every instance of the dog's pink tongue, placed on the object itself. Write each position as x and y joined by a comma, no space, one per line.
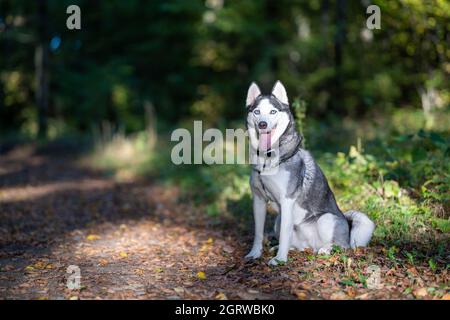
264,141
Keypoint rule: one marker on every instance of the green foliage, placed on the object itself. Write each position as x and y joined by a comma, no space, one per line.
432,264
410,257
348,282
401,188
197,58
299,110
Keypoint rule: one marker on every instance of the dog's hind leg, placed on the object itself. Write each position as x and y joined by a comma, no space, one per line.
332,230
297,241
276,231
276,227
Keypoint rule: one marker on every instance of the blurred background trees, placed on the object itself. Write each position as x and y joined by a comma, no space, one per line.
196,59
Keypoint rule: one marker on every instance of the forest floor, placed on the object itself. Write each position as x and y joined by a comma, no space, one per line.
139,240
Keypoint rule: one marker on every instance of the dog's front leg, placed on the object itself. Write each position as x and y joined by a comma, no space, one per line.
286,230
259,213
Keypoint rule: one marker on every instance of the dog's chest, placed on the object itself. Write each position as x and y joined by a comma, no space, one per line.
275,184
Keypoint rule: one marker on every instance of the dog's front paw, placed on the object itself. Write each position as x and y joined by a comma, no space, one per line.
255,253
276,261
324,250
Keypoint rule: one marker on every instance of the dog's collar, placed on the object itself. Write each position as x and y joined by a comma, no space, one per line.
292,153
267,153
282,159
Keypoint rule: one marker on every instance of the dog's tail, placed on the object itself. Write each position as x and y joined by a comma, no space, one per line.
361,228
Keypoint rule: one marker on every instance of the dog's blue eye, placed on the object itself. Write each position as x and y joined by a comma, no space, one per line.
273,111
256,111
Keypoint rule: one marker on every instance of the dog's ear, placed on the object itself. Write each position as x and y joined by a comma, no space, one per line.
280,92
252,94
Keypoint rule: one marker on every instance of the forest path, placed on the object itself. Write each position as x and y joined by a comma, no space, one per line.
141,240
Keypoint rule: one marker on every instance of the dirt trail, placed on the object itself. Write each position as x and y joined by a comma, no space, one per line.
138,240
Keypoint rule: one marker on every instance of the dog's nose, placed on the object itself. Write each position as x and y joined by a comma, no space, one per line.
262,125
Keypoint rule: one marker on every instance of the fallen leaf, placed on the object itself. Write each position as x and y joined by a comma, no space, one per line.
123,254
40,265
201,275
363,296
103,262
139,272
339,296
420,293
158,270
351,292
178,289
8,268
221,296
93,237
228,249
301,295
73,298
446,296
210,241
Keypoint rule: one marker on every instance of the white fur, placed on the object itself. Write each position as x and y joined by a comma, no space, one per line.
280,92
279,119
265,106
259,213
282,124
252,94
286,230
253,137
277,184
305,236
362,228
325,226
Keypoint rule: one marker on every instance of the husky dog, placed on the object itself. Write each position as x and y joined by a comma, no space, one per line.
294,185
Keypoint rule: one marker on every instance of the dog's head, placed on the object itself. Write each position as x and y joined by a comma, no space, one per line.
267,117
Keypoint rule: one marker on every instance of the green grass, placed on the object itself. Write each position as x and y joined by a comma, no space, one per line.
404,194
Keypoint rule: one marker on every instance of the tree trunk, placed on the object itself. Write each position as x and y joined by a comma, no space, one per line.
338,45
272,14
41,65
4,49
325,18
